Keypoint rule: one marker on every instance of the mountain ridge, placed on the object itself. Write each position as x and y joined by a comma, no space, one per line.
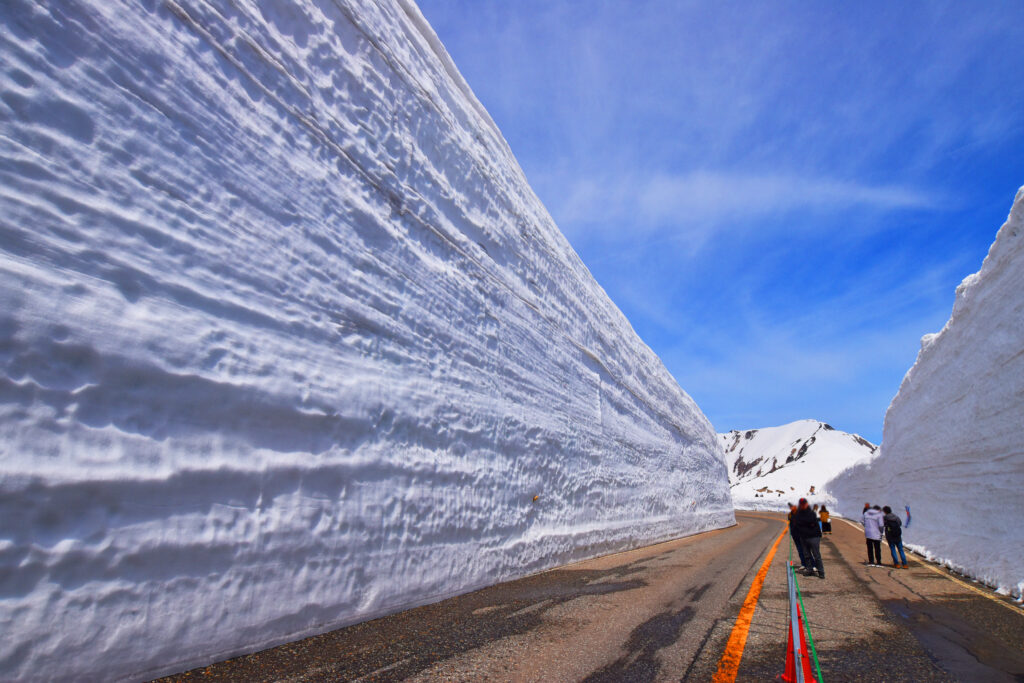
770,467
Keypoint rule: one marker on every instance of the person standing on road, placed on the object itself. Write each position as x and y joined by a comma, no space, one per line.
805,524
796,539
872,520
826,526
894,537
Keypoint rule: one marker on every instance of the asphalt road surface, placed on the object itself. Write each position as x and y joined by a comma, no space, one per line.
665,613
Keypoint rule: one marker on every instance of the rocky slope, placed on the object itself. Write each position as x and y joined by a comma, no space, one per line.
771,467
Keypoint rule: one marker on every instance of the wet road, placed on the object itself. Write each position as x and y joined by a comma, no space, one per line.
966,631
664,613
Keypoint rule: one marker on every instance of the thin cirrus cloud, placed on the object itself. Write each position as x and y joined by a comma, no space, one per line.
781,198
709,197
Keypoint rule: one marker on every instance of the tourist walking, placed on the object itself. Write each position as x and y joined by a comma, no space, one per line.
826,525
805,524
894,537
872,520
796,539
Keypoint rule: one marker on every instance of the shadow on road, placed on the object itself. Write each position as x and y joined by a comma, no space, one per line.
641,664
400,645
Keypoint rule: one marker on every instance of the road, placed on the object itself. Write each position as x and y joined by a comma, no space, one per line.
665,613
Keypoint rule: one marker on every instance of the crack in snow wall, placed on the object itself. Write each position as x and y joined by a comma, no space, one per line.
952,447
287,341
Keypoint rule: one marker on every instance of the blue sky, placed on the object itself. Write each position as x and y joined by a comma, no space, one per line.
781,197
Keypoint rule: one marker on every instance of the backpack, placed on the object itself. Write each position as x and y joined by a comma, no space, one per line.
893,528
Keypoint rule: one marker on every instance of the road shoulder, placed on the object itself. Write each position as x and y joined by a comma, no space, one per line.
968,634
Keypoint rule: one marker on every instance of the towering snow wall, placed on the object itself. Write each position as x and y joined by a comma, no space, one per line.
953,442
288,342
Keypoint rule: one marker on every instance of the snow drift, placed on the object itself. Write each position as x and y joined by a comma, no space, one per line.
952,446
288,342
772,467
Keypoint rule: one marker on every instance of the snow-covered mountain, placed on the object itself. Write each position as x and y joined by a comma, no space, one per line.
952,446
771,467
287,341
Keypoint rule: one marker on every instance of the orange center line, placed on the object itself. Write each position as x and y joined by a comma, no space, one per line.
729,664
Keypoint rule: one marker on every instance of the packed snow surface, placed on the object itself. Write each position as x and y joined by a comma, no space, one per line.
953,442
287,341
772,467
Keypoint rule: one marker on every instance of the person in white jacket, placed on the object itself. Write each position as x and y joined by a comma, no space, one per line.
874,525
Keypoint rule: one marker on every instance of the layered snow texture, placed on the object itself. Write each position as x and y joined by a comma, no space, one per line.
772,467
953,442
288,342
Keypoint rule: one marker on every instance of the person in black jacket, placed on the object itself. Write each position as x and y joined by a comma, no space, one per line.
805,527
894,535
796,539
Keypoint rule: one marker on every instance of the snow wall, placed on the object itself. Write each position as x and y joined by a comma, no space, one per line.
952,446
287,341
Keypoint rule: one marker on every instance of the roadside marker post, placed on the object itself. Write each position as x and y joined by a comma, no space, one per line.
798,661
800,646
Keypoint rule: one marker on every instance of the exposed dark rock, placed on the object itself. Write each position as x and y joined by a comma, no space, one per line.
741,466
802,452
862,441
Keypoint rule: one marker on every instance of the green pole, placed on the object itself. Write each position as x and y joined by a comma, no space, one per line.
807,626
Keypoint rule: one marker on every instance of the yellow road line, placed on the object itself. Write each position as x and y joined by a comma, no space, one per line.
729,664
927,565
924,563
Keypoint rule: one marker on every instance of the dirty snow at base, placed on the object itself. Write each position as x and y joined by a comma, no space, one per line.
287,341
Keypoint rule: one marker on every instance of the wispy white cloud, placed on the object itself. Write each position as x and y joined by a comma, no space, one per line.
713,195
777,197
702,201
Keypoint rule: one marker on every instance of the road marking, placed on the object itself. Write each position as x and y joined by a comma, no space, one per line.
924,562
729,664
855,526
389,667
